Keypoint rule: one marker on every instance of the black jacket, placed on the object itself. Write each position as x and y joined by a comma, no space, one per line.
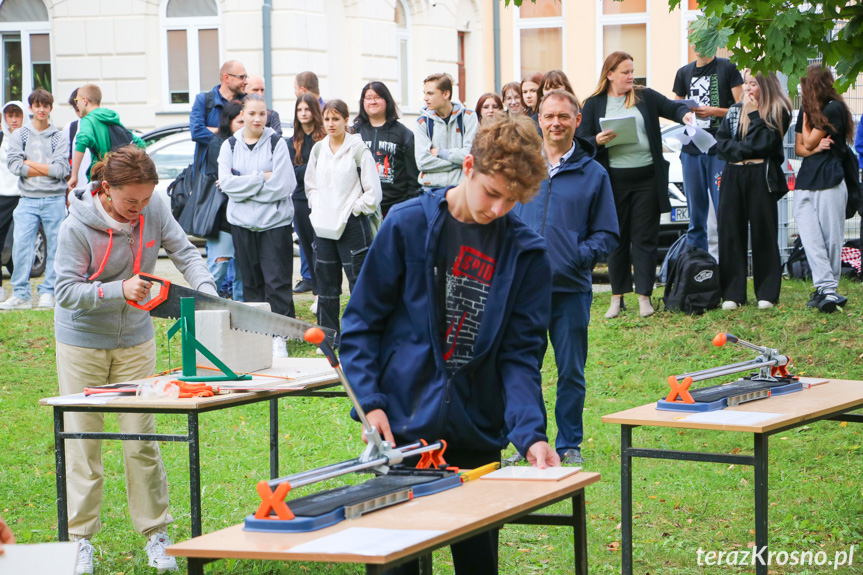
392,147
652,105
300,170
761,143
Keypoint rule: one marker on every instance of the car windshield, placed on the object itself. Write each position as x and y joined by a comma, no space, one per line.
173,159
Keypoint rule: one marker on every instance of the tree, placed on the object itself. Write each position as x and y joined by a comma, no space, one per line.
782,35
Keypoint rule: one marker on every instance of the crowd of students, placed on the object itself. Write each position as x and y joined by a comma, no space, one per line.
433,226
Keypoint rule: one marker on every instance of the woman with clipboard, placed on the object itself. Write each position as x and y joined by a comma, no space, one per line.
638,172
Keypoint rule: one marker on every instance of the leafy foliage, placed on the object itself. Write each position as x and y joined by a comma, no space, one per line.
766,35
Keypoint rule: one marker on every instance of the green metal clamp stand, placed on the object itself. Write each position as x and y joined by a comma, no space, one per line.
189,345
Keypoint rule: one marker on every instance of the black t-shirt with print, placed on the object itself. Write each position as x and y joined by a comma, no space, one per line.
823,170
465,262
708,85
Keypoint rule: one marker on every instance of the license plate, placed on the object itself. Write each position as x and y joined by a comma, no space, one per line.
680,214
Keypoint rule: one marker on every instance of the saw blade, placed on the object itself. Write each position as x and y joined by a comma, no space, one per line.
243,317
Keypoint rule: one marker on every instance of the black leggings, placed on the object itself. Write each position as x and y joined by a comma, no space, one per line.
306,235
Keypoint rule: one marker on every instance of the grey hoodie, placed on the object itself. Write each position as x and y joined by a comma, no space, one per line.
254,202
93,261
46,147
453,146
8,180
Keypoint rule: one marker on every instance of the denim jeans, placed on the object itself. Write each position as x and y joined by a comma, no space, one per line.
701,175
331,256
570,316
50,212
221,247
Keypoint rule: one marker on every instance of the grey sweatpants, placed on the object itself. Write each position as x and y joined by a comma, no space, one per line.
820,216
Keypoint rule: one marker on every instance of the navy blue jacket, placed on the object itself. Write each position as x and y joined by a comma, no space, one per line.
574,211
198,124
391,343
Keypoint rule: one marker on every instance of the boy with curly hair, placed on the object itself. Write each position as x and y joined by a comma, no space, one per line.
444,333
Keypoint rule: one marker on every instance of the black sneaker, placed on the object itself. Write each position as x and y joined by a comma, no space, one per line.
814,299
303,286
829,302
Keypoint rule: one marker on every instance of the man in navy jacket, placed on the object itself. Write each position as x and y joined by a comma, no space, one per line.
204,119
444,333
574,212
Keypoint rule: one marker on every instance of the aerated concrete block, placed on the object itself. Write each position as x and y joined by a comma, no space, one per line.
239,350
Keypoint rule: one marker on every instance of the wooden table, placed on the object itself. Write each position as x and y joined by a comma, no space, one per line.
459,513
828,401
310,377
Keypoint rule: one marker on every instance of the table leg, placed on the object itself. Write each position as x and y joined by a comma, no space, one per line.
196,566
579,532
195,476
274,438
626,497
426,564
761,441
60,467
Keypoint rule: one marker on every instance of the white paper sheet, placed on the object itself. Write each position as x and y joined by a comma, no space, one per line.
366,541
725,417
702,139
530,473
624,127
81,399
54,558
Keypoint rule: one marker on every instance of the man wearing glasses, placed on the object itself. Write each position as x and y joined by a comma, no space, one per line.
204,119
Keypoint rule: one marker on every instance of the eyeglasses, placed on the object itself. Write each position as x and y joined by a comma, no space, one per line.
239,76
372,99
79,98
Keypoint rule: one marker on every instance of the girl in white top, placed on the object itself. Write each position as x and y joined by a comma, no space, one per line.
343,189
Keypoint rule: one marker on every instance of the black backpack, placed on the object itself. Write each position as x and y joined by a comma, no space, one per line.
119,136
179,191
797,266
693,282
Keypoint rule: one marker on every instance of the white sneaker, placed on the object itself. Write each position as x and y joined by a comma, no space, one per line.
15,302
314,307
280,349
85,558
46,301
729,305
156,552
764,304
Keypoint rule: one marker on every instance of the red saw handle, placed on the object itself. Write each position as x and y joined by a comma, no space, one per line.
164,287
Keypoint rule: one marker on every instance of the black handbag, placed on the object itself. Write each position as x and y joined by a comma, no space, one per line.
851,171
200,216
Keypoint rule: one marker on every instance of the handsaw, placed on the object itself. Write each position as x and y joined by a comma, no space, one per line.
243,317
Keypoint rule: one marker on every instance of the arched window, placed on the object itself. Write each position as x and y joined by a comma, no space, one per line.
403,39
25,48
191,50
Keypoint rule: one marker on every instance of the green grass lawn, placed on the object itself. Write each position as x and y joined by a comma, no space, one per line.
816,496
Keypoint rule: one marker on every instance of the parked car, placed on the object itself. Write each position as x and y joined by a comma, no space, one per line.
171,148
40,256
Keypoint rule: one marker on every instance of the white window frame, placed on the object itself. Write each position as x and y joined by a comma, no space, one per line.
519,24
191,26
25,29
404,34
604,20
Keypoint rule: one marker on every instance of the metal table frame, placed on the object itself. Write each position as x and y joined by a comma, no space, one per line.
577,520
191,437
758,460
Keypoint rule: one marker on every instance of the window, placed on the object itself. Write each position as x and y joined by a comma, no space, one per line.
191,57
623,26
25,48
539,36
403,44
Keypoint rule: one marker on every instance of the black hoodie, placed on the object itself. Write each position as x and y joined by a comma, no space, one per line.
392,147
